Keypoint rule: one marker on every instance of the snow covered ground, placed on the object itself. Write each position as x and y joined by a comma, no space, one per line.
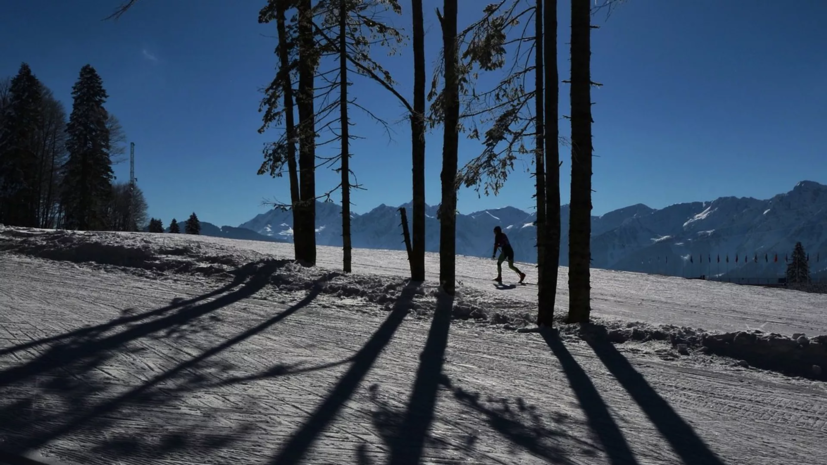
139,348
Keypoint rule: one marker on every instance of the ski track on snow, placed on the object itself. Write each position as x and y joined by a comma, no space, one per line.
503,397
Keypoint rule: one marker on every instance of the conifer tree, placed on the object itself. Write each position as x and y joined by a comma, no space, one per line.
798,270
19,152
87,184
173,227
193,226
156,225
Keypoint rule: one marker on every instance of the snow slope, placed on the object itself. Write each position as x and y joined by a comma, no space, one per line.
635,238
188,350
622,296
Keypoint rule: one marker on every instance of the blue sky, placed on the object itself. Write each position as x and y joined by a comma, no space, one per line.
701,99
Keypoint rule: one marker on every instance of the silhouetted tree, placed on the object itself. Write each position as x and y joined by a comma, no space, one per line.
156,226
798,270
19,150
550,231
450,148
52,156
193,226
581,164
173,227
87,184
127,208
508,108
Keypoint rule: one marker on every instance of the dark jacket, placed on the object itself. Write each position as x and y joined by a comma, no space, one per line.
501,241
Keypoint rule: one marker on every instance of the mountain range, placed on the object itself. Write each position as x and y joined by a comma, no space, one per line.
676,240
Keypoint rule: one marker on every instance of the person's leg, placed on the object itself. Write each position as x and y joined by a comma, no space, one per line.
516,270
511,264
500,265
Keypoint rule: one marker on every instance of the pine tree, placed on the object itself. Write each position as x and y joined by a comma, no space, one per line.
156,225
193,226
798,270
87,185
19,154
173,227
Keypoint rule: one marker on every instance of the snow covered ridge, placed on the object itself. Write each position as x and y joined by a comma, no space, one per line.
635,238
373,288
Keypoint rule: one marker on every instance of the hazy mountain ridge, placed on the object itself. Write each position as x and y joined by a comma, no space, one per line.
634,238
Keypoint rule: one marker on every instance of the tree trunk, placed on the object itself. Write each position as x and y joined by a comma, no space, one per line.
447,212
308,59
581,164
346,248
418,144
290,123
49,195
551,261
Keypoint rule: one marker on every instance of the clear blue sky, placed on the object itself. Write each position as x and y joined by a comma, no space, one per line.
701,99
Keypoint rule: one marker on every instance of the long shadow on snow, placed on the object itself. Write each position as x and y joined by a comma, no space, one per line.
408,444
84,349
683,439
240,274
302,440
18,417
597,413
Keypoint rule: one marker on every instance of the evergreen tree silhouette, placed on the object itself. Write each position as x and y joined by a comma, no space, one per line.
18,150
156,225
173,227
193,226
798,270
87,185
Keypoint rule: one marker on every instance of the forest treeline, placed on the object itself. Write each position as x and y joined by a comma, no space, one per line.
56,169
322,43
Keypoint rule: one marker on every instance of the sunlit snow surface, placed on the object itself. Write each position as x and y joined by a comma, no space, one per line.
616,295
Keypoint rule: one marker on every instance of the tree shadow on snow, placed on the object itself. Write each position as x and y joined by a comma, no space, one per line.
597,413
684,441
127,317
408,444
300,442
85,403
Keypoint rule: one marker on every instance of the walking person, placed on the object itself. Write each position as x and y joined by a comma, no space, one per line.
506,252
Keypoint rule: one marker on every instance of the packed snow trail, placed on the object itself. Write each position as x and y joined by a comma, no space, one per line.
659,300
189,369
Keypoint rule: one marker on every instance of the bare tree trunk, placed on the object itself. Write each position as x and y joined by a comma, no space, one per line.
346,248
551,261
308,58
581,164
448,209
418,144
290,123
49,197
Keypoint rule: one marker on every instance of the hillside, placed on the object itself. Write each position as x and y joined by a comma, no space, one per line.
677,240
227,232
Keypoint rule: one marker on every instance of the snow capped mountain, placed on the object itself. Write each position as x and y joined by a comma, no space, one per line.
229,232
677,240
